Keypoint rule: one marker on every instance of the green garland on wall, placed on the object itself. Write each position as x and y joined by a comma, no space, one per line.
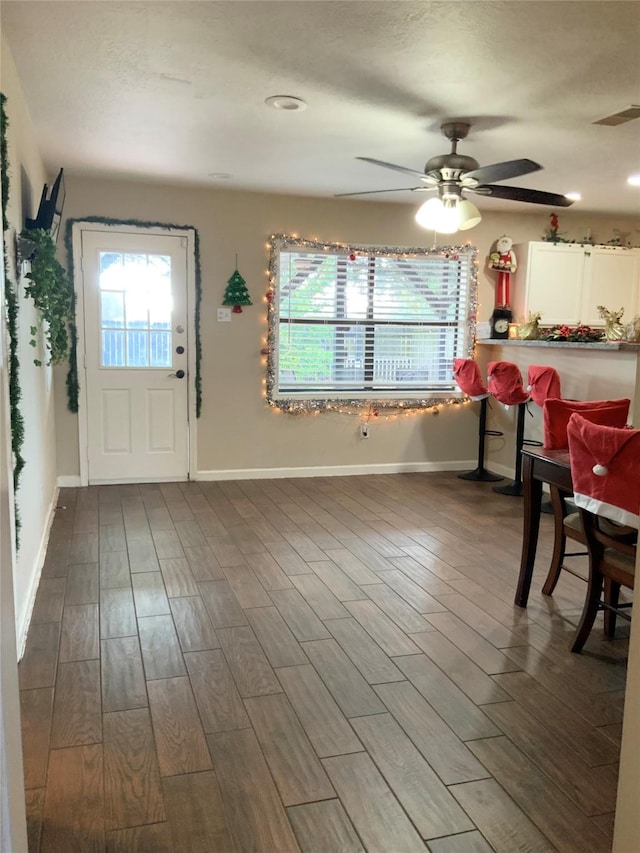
72,376
4,159
11,300
51,290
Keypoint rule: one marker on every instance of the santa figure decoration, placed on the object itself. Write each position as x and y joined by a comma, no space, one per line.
503,260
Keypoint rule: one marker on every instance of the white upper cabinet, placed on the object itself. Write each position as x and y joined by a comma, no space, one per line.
565,282
553,285
611,279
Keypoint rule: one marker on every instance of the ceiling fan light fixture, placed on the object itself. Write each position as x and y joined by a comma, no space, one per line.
428,213
435,215
468,215
448,216
634,180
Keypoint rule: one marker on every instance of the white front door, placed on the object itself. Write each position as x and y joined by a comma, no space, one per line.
136,356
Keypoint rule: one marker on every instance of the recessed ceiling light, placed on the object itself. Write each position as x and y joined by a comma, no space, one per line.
219,176
286,102
573,196
634,180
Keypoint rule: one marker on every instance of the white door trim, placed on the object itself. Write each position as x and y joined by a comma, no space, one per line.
76,243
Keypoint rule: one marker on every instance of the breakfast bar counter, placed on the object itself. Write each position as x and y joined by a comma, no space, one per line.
588,371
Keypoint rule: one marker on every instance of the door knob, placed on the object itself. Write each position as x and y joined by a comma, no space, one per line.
179,374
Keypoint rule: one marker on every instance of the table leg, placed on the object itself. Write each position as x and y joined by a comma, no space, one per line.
532,493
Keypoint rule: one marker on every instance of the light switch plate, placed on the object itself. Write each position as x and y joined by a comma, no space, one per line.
224,315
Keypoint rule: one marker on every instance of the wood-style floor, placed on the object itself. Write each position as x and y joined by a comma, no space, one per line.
317,664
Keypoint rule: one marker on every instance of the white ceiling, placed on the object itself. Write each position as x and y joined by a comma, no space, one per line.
175,91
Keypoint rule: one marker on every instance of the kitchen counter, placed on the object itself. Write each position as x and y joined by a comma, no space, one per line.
605,370
608,346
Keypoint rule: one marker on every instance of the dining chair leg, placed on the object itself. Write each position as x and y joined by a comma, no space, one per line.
559,542
611,596
591,607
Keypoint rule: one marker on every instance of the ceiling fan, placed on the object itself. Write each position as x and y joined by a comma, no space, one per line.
453,174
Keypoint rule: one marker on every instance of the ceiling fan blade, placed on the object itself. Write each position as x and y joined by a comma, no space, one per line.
396,190
413,172
502,171
522,194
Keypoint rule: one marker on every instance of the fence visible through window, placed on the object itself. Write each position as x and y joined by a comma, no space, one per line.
135,310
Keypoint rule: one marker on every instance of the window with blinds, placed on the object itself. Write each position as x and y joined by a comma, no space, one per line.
369,324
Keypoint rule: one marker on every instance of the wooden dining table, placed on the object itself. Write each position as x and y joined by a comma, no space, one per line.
538,466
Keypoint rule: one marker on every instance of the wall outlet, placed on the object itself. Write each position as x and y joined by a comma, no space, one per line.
364,431
224,315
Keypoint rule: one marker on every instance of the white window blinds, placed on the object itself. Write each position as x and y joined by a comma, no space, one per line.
369,324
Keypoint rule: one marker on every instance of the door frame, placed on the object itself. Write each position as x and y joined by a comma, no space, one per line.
189,234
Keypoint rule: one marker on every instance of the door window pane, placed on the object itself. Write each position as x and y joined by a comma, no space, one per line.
137,354
112,348
135,294
107,261
112,310
160,349
160,307
137,305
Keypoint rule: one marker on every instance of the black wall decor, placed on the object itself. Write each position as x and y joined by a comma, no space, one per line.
50,209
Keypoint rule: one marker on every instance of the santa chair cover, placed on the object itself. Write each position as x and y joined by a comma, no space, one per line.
467,375
556,414
505,383
544,382
605,469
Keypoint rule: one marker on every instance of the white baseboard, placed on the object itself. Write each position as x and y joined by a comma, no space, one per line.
69,481
24,619
332,470
503,470
72,481
126,481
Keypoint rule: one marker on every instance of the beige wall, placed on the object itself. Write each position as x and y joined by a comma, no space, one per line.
238,432
37,492
19,577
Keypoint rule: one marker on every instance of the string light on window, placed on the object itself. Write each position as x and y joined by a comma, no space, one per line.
388,409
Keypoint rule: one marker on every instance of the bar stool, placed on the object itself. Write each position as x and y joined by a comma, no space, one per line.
505,383
543,382
467,376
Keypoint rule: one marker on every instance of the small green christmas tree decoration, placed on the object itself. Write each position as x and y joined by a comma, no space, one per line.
236,293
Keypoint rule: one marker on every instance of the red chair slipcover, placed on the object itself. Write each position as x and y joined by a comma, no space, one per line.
556,414
467,376
605,469
543,382
505,383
